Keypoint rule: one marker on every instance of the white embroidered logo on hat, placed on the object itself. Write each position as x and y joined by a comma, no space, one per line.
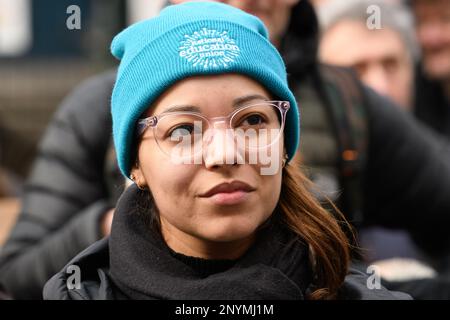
209,49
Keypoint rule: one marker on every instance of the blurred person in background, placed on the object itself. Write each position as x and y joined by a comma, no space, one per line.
432,101
391,170
384,58
11,182
432,106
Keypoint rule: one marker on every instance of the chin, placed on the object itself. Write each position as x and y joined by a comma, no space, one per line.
438,67
229,231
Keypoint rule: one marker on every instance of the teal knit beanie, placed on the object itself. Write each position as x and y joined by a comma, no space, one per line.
189,39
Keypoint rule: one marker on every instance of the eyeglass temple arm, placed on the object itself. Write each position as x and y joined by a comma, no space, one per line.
143,124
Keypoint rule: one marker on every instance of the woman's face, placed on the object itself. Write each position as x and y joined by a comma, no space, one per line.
211,202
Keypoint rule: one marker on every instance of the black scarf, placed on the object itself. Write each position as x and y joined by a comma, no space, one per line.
143,267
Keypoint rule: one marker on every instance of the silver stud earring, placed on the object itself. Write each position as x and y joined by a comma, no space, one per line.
133,178
284,161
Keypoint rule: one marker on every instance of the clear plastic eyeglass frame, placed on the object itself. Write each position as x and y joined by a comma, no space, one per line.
153,121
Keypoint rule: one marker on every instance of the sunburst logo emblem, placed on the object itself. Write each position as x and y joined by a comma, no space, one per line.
209,49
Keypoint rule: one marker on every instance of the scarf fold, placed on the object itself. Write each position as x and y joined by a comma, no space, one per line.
142,266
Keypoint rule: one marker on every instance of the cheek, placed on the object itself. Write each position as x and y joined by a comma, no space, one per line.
270,191
167,181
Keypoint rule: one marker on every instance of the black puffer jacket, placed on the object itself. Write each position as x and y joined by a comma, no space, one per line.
406,178
135,263
66,194
431,104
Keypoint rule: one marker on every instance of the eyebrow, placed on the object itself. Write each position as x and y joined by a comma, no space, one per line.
236,104
242,100
181,108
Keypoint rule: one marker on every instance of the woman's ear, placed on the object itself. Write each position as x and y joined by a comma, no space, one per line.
138,178
284,158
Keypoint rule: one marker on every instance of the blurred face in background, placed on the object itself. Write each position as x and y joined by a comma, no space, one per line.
318,3
433,32
379,56
274,13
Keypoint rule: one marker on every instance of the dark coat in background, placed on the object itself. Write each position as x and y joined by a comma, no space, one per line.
431,105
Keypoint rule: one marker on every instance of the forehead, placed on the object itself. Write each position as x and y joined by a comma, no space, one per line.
220,91
362,44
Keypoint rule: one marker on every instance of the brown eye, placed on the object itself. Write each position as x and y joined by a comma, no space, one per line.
181,130
253,120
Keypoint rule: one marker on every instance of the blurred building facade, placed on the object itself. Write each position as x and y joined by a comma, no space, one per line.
42,60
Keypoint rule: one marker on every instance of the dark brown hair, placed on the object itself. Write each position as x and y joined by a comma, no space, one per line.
319,228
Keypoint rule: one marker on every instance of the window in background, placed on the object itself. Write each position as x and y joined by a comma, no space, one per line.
15,27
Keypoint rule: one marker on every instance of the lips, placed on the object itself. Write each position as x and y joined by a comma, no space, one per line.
229,194
223,188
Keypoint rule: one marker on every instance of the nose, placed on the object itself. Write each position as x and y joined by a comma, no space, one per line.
219,148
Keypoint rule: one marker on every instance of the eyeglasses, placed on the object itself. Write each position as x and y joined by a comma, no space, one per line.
249,128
